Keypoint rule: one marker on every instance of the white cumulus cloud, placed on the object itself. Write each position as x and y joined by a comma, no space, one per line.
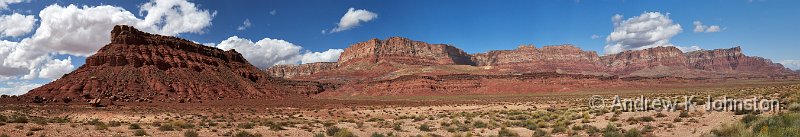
331,55
4,3
595,36
246,24
56,68
352,19
699,27
16,25
175,16
268,52
648,30
263,53
791,64
18,88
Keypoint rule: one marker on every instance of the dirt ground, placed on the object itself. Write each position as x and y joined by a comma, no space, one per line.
529,114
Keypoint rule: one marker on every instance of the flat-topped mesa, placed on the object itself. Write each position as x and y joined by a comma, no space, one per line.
547,58
129,36
633,60
732,60
289,71
404,51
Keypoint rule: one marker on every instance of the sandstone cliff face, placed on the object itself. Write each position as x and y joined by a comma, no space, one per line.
137,66
629,61
546,59
732,60
657,62
404,51
289,71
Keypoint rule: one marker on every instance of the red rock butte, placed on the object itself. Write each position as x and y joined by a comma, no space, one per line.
141,67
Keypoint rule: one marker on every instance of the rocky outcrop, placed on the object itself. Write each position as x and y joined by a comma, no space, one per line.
404,51
546,59
633,60
289,71
141,67
732,60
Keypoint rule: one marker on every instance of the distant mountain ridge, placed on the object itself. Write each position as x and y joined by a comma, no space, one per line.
657,61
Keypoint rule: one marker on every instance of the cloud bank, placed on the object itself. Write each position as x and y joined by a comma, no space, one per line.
791,64
268,52
648,30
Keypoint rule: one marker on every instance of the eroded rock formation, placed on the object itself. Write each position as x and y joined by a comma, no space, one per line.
404,51
141,67
289,71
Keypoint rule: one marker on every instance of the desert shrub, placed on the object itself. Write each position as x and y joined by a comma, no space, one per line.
166,127
683,114
677,119
94,122
332,130
659,114
134,126
59,120
114,124
101,126
794,107
785,125
190,133
18,119
4,135
479,124
558,129
611,131
246,134
139,132
539,133
319,135
276,127
590,130
398,127
376,134
578,127
632,120
247,125
749,118
181,124
612,134
506,133
374,119
344,133
425,127
647,119
633,132
731,130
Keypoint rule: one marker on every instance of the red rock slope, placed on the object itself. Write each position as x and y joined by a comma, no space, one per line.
138,66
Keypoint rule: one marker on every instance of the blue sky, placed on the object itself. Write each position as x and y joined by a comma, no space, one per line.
766,28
